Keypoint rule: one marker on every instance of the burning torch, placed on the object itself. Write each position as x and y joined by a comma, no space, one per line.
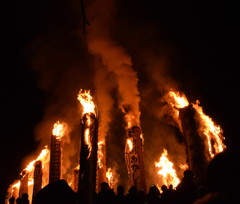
55,171
134,158
89,147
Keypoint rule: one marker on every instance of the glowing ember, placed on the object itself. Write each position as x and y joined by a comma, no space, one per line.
212,132
178,100
87,101
167,171
59,129
109,176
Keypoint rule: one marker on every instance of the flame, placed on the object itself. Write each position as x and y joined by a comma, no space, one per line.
130,144
109,176
30,182
41,157
59,129
87,101
87,138
179,100
212,132
77,167
16,185
100,154
130,120
167,171
207,128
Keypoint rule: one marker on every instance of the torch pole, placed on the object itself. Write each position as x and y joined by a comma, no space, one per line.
195,146
88,157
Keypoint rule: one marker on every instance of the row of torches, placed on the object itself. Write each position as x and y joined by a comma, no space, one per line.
92,170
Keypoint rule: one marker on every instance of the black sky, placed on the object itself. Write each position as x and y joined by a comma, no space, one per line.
204,61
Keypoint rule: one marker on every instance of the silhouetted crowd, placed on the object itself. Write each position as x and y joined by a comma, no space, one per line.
222,187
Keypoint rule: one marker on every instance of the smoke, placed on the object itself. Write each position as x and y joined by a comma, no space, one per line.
113,56
104,99
118,52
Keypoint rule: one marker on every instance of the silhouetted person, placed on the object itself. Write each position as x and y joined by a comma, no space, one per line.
133,196
186,191
120,197
24,199
11,200
166,195
105,195
57,192
223,178
153,195
18,200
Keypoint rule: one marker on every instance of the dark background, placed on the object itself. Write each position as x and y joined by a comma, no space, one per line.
204,35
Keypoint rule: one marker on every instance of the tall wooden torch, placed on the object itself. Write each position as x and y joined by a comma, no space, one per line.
101,164
23,182
37,181
88,148
134,158
196,149
55,172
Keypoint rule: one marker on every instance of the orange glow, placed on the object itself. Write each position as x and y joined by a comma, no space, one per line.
212,132
130,120
109,176
178,99
130,144
167,171
44,158
16,185
41,157
59,129
77,167
100,154
87,101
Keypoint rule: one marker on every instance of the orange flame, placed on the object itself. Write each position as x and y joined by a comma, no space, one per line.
109,176
130,144
167,171
179,99
41,157
100,154
16,185
207,128
87,101
59,129
212,132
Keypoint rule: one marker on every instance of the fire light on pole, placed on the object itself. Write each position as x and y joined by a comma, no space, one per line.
55,171
89,147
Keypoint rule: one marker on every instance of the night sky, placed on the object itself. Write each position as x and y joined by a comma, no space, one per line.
45,62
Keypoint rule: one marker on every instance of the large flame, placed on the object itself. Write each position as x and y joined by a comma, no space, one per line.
87,101
178,99
212,131
41,157
59,129
44,158
167,171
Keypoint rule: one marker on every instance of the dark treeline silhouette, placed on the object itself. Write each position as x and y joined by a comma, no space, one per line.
222,187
